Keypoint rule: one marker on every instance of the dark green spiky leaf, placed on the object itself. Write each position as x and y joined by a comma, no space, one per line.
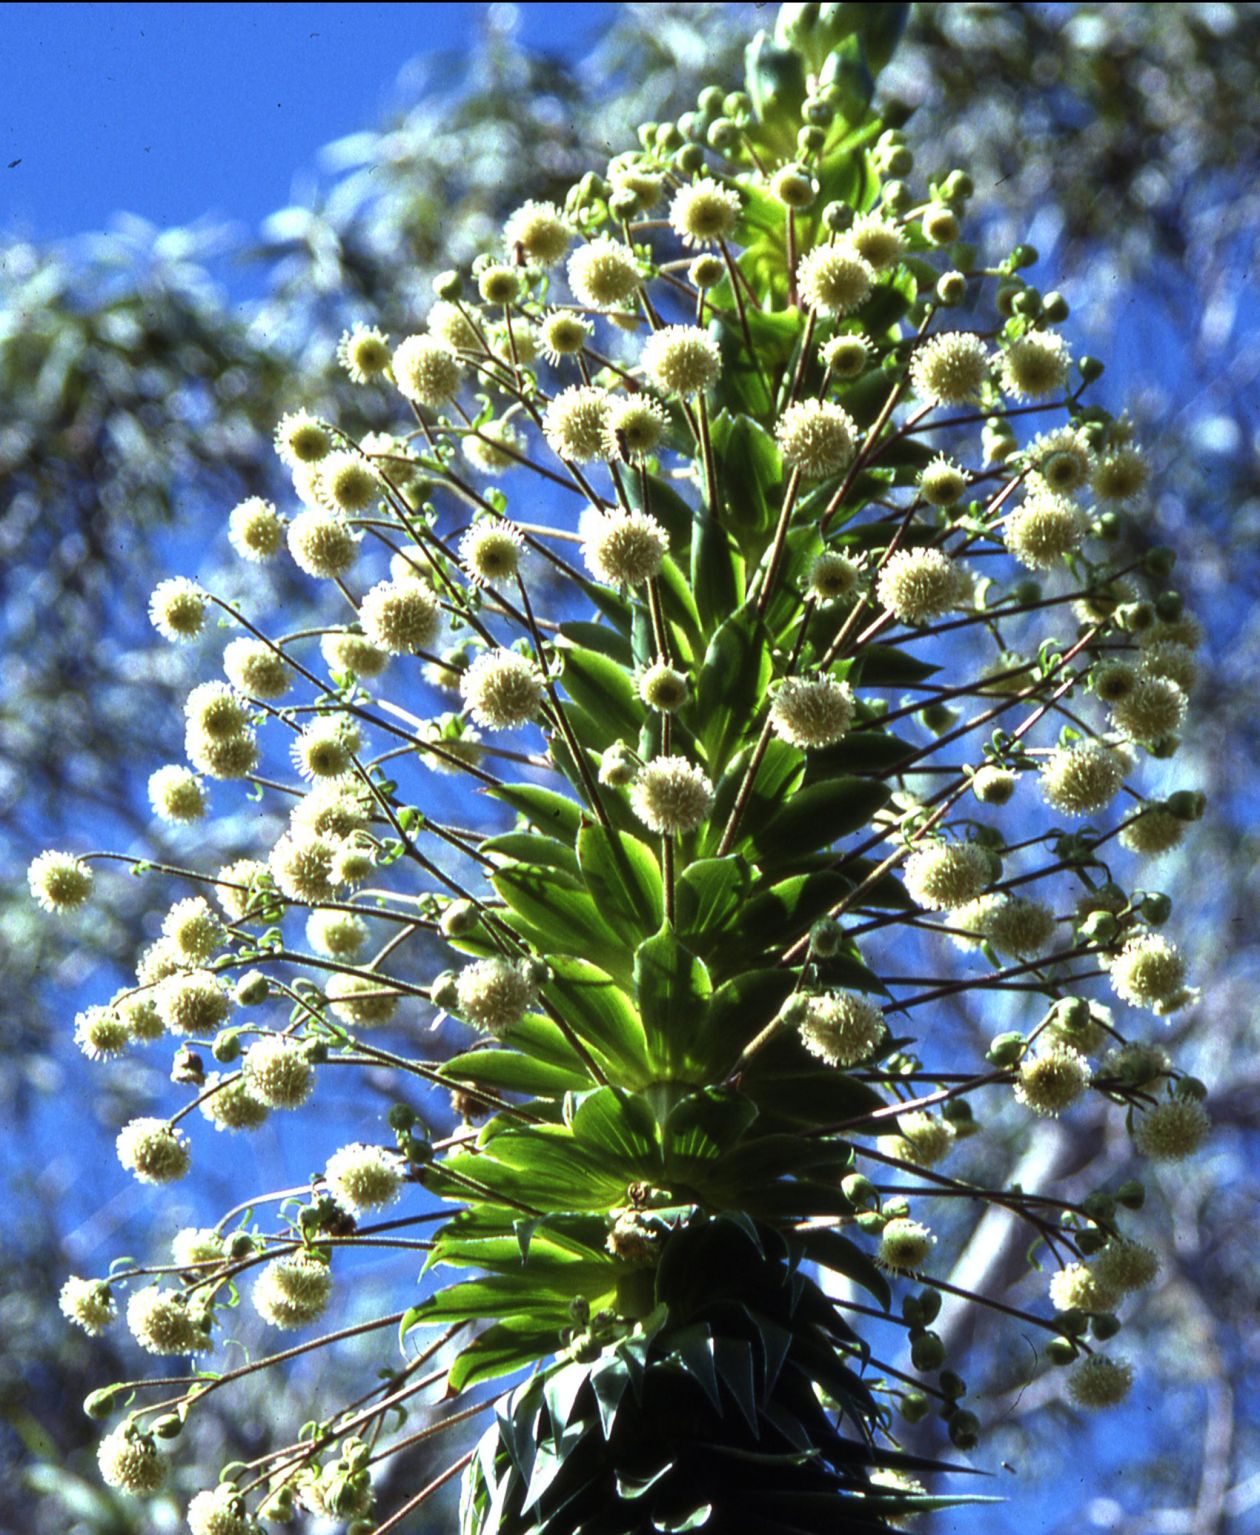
837,1253
500,1350
751,470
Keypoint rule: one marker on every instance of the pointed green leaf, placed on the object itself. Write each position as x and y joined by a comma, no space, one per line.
544,808
731,686
624,879
672,989
818,816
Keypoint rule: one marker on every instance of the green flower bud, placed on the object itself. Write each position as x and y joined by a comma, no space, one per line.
99,1404
669,138
1055,308
737,104
722,134
448,285
689,159
810,139
1170,606
1099,927
951,289
169,1426
226,1046
952,1384
1105,1325
927,1352
897,196
1091,1240
818,113
1005,1049
1006,295
957,187
1186,804
914,1407
1132,1195
1159,562
860,1192
710,100
837,217
691,125
401,1117
1027,303
964,1430
929,1306
1091,369
1191,1088
1024,255
251,989
871,1221
1060,1351
1156,907
241,1245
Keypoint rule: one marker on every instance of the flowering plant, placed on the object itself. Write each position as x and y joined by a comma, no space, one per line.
719,508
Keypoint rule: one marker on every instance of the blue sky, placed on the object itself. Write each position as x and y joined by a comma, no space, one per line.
177,111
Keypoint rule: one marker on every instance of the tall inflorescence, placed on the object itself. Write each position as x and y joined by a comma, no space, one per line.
752,667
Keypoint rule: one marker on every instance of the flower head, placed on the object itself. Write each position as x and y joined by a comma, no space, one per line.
904,1245
161,1322
322,543
1052,1080
704,212
276,1071
681,360
1043,529
919,585
950,369
540,231
1034,366
817,437
129,1461
219,1511
945,874
363,1177
877,240
255,669
256,530
834,279
841,1028
562,334
361,1001
1150,972
293,1291
812,711
400,617
1171,1130
59,881
301,438
638,425
495,994
1099,1381
603,272
491,552
178,609
364,353
502,690
346,651
623,549
428,371
671,796
1152,708
88,1303
1082,778
153,1151
942,482
578,424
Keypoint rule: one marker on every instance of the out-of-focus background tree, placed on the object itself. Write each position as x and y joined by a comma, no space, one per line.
136,403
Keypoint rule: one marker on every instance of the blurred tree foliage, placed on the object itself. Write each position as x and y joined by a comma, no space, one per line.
138,404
